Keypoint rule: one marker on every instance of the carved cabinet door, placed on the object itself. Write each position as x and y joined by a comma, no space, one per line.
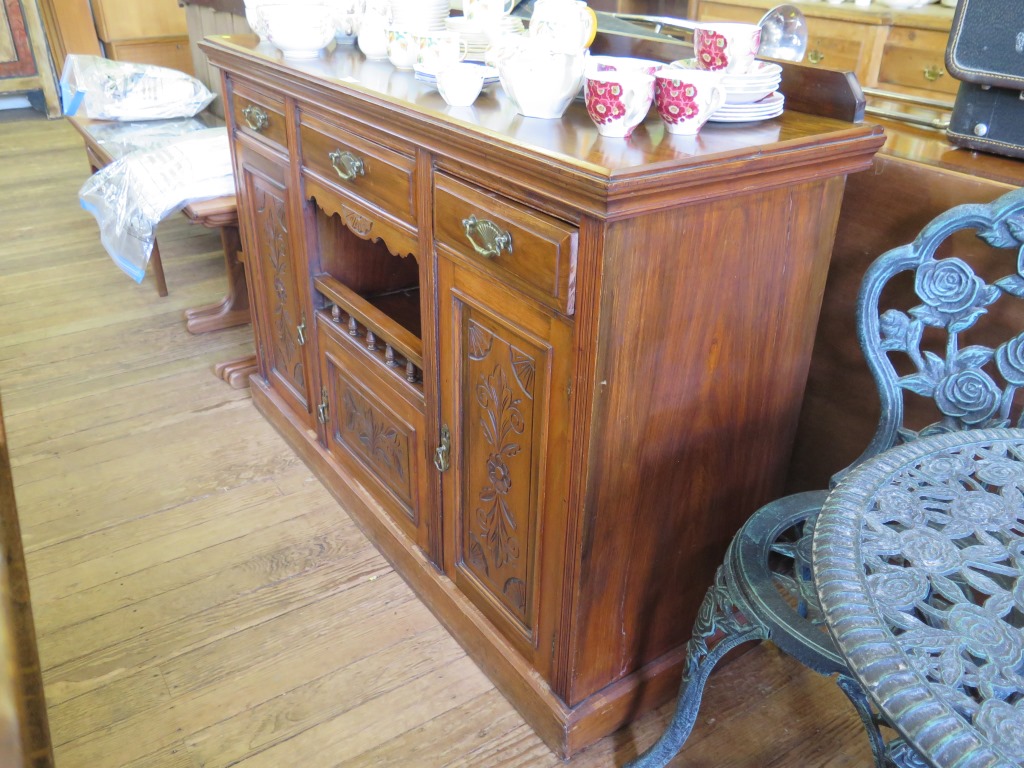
505,381
280,320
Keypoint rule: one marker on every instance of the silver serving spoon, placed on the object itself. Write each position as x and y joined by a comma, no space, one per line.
783,30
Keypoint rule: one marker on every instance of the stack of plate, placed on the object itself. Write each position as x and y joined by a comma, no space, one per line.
479,38
762,80
768,107
419,15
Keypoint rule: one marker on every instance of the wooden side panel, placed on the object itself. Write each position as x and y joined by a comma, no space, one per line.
695,403
131,19
69,29
171,52
202,21
505,401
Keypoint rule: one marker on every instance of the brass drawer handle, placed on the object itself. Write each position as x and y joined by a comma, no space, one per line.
815,56
347,165
255,118
492,238
933,73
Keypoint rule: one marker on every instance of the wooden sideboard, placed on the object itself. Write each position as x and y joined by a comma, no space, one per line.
549,373
895,50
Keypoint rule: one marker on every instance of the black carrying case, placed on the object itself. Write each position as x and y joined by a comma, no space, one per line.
986,53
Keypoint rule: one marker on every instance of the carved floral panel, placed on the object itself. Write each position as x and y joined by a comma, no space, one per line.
375,437
499,493
279,285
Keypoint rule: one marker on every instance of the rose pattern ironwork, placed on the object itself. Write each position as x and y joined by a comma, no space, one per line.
972,386
941,554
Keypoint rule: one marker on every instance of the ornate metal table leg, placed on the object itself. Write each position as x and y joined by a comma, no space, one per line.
718,615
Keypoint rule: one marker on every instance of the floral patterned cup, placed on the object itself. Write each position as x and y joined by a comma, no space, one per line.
727,47
687,98
618,102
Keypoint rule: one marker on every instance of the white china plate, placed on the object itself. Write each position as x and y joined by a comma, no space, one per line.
718,118
746,97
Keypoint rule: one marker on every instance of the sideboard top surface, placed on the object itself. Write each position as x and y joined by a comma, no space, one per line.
652,160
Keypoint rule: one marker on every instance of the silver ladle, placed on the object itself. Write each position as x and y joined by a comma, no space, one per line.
783,30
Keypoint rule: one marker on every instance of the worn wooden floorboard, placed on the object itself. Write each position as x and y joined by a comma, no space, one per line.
200,599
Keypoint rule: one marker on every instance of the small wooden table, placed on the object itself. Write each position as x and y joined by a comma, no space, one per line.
918,559
105,142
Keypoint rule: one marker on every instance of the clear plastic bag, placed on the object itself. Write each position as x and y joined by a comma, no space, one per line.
132,195
120,90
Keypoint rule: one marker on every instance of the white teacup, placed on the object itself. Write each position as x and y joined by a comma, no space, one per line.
460,83
437,50
486,12
401,48
618,101
686,98
727,47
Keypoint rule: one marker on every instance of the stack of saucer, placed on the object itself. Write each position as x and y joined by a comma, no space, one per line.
490,75
762,80
419,15
768,107
478,38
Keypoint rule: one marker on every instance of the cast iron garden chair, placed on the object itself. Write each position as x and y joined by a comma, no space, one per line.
942,344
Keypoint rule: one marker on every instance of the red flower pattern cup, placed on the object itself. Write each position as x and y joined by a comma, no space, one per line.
727,47
618,101
686,98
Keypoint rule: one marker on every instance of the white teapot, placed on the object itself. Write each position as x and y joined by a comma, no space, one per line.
567,25
540,80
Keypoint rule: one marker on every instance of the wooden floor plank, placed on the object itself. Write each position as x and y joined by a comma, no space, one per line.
201,600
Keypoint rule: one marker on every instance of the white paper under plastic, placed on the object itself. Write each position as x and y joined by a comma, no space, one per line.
122,90
130,196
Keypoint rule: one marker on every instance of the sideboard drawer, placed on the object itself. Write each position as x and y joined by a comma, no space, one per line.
359,167
535,252
259,114
915,58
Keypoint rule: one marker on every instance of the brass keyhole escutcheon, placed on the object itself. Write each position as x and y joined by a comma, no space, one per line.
442,458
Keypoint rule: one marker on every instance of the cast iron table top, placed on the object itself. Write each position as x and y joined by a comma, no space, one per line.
918,558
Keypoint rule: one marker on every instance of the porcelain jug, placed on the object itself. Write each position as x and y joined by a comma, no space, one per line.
539,79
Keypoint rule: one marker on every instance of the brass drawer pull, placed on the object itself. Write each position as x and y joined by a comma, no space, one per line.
492,239
255,118
347,165
933,73
815,56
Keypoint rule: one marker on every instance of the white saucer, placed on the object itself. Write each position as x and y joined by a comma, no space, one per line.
768,107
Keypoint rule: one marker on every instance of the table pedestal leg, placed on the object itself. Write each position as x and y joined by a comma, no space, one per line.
236,372
233,309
